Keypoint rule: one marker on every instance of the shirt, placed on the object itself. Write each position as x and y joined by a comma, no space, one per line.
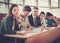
24,22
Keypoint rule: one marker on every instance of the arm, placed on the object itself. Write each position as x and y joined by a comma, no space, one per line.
6,27
54,23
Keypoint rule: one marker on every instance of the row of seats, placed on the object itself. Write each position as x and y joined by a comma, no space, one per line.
2,15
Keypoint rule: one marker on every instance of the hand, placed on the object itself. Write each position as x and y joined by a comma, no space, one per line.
18,32
30,28
42,26
21,32
53,24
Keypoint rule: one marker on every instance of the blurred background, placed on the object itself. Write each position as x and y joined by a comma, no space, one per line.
52,6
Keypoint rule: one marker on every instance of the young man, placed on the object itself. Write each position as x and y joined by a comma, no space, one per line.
50,21
33,18
24,18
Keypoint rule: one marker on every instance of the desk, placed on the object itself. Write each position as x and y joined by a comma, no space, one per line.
36,36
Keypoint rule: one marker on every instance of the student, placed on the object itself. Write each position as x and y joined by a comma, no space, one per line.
33,18
24,18
50,21
42,19
10,24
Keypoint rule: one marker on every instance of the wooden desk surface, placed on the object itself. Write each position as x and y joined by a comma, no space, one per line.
30,33
47,36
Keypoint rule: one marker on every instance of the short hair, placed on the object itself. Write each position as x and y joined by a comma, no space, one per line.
49,14
35,8
27,8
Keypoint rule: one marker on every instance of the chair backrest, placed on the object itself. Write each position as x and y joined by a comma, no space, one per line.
2,15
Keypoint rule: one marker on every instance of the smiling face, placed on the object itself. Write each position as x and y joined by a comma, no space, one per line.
35,12
26,13
42,16
15,11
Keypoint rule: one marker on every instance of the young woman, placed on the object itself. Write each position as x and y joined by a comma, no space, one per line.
10,23
42,19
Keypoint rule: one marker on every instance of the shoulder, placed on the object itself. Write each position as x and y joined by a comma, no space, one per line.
51,19
6,19
30,16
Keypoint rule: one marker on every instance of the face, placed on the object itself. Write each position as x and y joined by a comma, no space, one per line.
15,11
51,17
35,12
26,13
42,15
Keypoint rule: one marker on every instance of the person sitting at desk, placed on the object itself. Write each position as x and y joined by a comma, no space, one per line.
33,18
9,24
50,21
24,18
42,19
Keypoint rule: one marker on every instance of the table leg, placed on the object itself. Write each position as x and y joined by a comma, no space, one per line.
15,40
25,40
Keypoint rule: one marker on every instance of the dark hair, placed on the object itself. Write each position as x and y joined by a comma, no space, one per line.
49,14
42,13
35,8
10,10
27,8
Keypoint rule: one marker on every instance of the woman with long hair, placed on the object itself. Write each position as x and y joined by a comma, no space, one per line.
10,24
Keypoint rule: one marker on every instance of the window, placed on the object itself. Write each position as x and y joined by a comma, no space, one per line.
20,8
31,2
1,0
43,9
54,0
16,1
3,8
43,3
54,3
